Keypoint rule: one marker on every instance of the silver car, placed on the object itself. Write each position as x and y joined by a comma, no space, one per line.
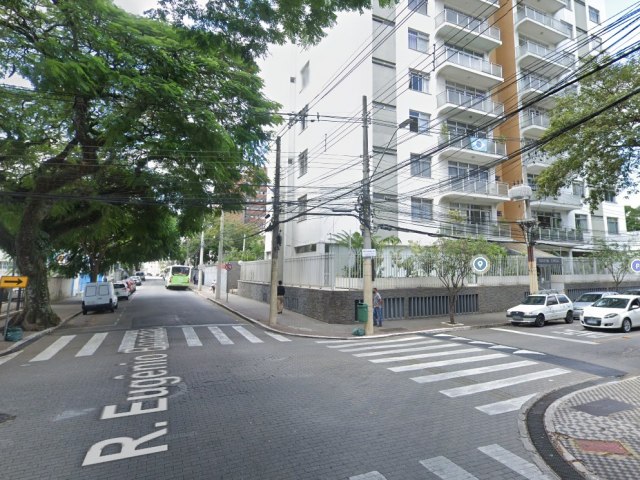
587,299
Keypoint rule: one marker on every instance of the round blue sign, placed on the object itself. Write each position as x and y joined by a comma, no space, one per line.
635,265
480,264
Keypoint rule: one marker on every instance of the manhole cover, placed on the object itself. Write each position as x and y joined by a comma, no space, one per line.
604,407
5,417
604,447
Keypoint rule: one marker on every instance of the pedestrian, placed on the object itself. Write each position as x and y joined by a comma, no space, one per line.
377,308
280,296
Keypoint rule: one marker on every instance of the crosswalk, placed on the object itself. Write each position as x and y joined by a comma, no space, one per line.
460,366
445,469
191,336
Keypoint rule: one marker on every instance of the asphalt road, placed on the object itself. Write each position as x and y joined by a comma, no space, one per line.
171,386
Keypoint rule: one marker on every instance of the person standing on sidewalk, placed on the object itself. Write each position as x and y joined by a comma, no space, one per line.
280,293
377,308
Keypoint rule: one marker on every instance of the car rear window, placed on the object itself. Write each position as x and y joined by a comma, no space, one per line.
90,291
118,285
104,290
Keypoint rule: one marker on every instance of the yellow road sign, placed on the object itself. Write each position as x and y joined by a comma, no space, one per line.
14,282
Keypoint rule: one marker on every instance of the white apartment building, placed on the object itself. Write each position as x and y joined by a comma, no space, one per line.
438,77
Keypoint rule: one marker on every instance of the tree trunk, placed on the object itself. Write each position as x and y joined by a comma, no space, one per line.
31,258
452,307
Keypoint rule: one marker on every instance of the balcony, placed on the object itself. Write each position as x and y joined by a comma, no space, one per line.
483,192
552,63
486,230
475,109
487,7
536,24
551,6
467,69
531,86
536,161
470,149
565,201
533,123
455,27
562,235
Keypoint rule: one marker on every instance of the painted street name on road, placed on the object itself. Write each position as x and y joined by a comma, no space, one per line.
149,381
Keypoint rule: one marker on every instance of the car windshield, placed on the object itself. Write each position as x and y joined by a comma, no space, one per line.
534,300
611,302
589,297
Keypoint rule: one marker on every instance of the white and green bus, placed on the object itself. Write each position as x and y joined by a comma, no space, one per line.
177,276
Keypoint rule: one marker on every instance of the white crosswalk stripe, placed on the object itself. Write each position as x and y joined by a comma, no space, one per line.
369,476
401,350
247,334
347,343
52,349
505,406
513,462
280,338
446,363
9,356
380,347
191,337
92,345
428,355
221,337
446,469
436,377
128,341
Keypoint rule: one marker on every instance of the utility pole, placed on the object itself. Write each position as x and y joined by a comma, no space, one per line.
220,257
275,232
367,282
201,266
528,226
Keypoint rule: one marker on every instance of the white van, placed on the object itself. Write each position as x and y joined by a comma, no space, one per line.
99,296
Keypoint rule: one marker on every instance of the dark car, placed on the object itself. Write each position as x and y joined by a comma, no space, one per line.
141,275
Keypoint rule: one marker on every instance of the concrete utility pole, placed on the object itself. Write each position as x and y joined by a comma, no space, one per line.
275,232
220,257
201,266
367,282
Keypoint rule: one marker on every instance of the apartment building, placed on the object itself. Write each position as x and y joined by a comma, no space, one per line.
440,79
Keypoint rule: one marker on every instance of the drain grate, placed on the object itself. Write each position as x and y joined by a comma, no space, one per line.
5,417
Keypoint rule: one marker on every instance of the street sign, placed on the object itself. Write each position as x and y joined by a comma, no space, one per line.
480,264
14,282
368,253
635,265
227,266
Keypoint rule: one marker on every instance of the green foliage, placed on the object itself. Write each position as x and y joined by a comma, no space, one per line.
632,217
615,258
604,151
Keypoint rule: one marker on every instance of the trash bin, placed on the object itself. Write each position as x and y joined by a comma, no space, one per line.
363,312
14,334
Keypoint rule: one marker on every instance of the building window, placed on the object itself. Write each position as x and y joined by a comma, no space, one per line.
595,43
612,226
302,163
548,219
306,248
578,189
304,75
302,208
475,214
418,41
609,197
418,81
302,115
419,6
594,15
581,222
420,165
420,121
421,209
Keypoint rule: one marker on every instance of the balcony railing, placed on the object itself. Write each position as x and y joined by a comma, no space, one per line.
476,229
558,234
475,25
564,59
480,145
537,158
474,185
465,60
531,82
535,15
468,100
534,120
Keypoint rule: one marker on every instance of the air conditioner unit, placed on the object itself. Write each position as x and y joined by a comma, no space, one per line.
520,192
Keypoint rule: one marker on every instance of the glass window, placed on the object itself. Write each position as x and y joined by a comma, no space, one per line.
594,15
302,207
578,188
304,75
302,115
418,41
103,290
418,81
609,197
612,226
302,163
581,222
419,6
421,209
420,121
420,165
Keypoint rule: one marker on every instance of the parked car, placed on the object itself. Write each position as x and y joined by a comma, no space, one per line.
587,299
136,279
122,290
131,284
141,275
631,291
99,296
541,308
613,312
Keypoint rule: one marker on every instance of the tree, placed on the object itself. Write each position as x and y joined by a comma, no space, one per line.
122,110
616,259
450,260
632,218
604,151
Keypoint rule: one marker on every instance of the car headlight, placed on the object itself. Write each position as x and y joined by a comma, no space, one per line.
611,315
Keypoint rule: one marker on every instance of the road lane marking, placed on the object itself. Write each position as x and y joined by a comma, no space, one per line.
502,347
400,350
378,347
513,462
530,352
92,345
6,358
436,377
376,342
280,338
504,382
446,469
445,363
191,336
128,341
546,336
369,476
428,355
52,349
505,406
221,337
247,334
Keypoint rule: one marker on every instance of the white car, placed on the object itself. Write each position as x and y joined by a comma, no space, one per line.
615,311
540,308
122,290
99,296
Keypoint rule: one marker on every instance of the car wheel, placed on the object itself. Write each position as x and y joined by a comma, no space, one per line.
84,312
111,309
569,317
626,325
515,324
539,321
587,328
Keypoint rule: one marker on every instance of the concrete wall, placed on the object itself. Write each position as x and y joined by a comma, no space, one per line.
60,288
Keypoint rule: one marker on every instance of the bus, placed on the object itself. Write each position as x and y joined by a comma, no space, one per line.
177,276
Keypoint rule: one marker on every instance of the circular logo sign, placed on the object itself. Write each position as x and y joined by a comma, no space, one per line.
480,264
635,265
